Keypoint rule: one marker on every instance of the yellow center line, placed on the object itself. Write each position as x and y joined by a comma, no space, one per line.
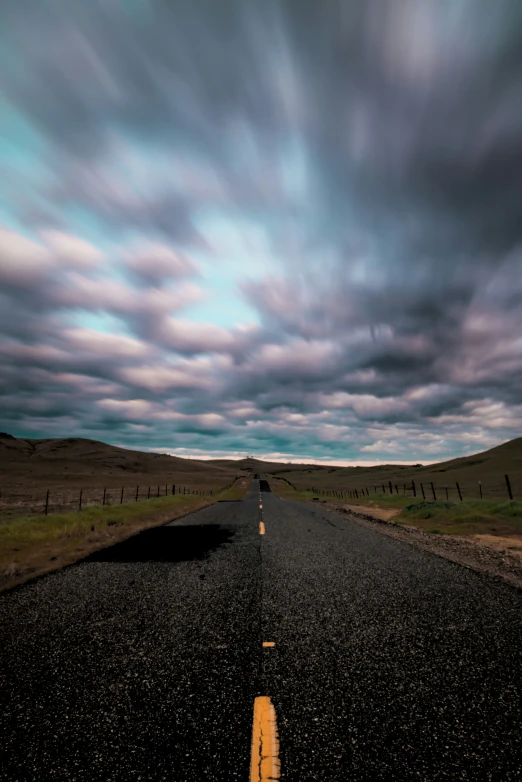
264,764
261,528
268,643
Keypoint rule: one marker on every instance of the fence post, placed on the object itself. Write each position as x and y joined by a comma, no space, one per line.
480,489
122,490
447,492
46,502
166,492
173,488
413,487
460,495
391,489
396,489
508,487
148,495
104,493
433,491
422,490
80,503
137,492
158,491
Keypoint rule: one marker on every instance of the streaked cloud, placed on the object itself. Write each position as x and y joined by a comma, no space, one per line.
288,229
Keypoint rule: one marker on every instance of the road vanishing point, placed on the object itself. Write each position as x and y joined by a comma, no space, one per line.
258,640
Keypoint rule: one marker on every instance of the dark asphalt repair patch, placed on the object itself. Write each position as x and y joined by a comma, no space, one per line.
167,544
264,486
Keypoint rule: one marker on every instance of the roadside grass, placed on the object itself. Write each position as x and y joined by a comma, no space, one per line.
287,493
33,545
473,517
477,517
283,490
235,492
397,501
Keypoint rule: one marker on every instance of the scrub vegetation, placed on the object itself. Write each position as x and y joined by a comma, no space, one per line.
465,518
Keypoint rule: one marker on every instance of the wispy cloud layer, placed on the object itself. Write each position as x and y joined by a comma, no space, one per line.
289,229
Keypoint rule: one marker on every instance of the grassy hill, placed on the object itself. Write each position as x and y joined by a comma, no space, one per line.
79,462
488,467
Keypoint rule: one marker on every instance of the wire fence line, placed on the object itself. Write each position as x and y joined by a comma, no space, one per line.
60,499
421,490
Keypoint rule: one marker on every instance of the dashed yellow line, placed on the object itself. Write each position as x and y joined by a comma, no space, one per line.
261,528
268,643
264,764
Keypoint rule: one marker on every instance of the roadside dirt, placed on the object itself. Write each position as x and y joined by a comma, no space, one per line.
497,557
383,514
511,545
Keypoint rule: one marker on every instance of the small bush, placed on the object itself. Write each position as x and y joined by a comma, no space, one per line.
427,505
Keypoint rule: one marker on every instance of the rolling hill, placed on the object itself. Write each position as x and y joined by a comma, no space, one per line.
81,460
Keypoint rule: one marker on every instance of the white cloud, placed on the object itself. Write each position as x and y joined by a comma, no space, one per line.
105,345
157,262
160,378
22,261
195,337
71,250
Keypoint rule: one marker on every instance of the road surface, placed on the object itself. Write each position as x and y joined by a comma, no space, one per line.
144,662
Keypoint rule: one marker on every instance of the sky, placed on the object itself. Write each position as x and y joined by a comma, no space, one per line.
284,229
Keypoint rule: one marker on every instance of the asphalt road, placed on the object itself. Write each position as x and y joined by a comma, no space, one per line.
143,663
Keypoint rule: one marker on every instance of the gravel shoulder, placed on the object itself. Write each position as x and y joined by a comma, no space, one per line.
481,553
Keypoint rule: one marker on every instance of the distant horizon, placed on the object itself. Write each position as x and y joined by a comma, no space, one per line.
274,458
294,461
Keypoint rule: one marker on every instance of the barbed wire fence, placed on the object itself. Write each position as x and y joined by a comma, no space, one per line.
29,501
419,490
